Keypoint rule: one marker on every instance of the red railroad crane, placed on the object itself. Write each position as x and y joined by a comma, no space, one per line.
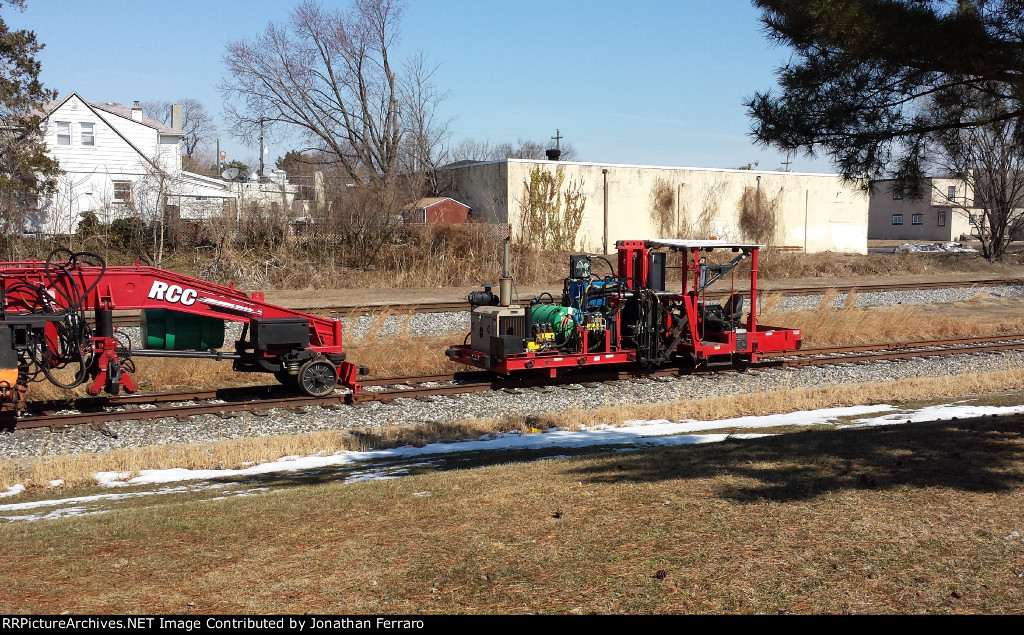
44,327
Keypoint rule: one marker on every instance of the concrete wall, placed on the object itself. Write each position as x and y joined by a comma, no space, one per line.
279,196
816,211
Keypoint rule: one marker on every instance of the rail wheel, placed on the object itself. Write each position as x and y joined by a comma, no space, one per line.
287,379
742,362
317,377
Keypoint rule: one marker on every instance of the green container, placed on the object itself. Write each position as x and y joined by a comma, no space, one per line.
176,331
555,315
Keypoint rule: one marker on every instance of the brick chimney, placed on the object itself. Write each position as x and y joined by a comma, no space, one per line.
136,112
177,115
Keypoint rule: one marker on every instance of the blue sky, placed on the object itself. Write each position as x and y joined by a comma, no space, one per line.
655,82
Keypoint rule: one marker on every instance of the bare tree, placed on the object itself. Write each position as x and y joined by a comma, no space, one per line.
989,161
330,77
426,138
197,126
473,150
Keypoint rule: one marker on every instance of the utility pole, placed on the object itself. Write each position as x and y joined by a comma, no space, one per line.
261,148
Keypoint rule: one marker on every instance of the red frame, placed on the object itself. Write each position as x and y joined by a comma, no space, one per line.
143,287
634,273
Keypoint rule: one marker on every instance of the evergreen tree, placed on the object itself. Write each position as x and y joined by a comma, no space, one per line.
26,172
872,82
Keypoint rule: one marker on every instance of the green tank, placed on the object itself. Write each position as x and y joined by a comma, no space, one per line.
558,316
176,331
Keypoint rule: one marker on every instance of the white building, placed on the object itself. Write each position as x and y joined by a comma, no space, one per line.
117,162
808,212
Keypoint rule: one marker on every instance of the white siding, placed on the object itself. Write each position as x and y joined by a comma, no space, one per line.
123,150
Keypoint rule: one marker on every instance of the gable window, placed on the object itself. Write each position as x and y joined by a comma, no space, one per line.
123,192
942,218
897,219
63,133
951,192
897,195
88,134
917,219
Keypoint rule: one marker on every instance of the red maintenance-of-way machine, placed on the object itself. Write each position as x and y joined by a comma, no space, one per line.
44,328
628,318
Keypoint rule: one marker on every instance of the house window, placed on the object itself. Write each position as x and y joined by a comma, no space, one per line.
917,219
951,192
897,195
942,218
63,133
88,137
123,192
897,219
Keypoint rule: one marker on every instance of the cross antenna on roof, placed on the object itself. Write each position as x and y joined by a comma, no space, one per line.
558,139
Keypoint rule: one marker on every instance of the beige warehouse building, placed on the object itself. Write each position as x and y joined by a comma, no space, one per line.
803,211
944,213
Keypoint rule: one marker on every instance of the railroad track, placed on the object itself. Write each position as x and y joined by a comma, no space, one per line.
228,402
130,319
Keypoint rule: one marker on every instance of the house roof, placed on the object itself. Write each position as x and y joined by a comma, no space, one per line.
121,110
112,107
430,201
156,125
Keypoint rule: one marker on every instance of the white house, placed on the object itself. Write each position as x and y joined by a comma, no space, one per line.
117,162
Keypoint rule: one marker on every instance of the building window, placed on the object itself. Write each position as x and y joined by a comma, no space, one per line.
123,192
88,137
917,219
951,192
942,218
897,219
897,195
63,133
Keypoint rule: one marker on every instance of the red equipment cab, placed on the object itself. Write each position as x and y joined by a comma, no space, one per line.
629,316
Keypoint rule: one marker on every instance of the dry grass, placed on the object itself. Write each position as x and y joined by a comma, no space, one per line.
394,351
826,325
779,265
160,375
890,520
425,257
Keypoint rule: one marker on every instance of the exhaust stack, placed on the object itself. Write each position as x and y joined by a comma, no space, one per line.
505,282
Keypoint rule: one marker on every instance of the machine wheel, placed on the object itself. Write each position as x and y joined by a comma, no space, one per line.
318,377
286,378
741,362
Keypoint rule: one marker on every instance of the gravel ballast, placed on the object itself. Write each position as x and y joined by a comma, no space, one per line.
525,402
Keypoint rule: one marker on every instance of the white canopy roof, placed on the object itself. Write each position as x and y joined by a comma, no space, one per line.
688,243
